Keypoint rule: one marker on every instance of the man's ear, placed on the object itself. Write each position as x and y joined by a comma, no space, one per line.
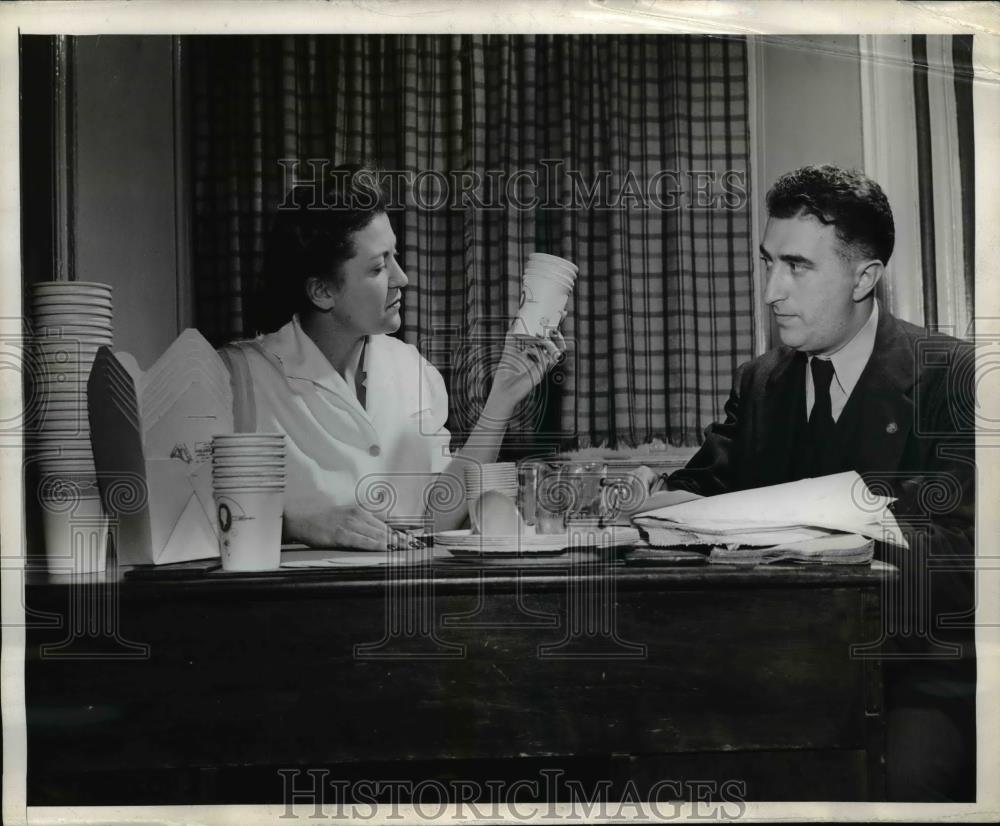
866,276
320,293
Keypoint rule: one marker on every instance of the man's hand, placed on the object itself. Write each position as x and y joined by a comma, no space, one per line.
345,526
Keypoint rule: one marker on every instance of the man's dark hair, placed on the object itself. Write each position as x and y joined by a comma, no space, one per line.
312,236
851,201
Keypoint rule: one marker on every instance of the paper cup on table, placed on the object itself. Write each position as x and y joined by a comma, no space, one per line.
250,528
76,535
269,459
494,513
249,471
248,482
220,454
223,439
499,476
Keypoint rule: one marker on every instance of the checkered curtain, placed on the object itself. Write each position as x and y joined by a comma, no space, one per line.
662,310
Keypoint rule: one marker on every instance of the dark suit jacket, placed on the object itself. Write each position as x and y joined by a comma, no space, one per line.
913,409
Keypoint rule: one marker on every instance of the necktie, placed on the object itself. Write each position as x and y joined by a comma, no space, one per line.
822,428
822,414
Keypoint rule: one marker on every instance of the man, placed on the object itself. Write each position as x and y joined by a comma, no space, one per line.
853,388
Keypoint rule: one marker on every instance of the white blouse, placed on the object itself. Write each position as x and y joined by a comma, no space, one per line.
383,456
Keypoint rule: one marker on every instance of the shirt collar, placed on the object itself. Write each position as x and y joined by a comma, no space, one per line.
300,358
850,360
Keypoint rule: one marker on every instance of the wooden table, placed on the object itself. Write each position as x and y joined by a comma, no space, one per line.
195,687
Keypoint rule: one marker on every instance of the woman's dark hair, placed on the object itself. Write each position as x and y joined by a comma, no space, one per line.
311,236
848,199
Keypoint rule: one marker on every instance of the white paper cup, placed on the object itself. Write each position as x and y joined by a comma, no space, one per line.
248,438
54,428
71,404
69,344
84,475
54,325
72,286
70,399
248,450
552,264
71,300
273,460
76,537
498,476
46,450
72,331
58,302
65,321
52,413
495,514
248,474
223,474
249,524
263,485
542,302
553,260
75,367
48,324
226,477
269,460
532,275
53,316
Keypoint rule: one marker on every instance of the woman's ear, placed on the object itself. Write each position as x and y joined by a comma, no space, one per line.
866,277
320,293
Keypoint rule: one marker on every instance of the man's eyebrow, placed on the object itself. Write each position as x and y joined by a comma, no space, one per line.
796,259
789,258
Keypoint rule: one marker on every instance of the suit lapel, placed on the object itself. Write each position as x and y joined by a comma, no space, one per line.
784,407
882,402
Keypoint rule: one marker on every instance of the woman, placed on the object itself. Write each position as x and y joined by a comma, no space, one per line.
364,413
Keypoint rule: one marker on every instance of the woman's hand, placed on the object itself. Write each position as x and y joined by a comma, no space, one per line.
345,526
523,365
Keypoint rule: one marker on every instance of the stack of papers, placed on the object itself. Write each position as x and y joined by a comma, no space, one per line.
838,549
785,518
153,431
466,543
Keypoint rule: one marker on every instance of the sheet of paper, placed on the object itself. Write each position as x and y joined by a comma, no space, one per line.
329,558
669,535
840,502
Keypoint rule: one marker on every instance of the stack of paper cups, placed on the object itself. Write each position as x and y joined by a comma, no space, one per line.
71,321
545,290
500,476
248,481
75,530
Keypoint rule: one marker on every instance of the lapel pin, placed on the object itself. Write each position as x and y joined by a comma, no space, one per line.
892,427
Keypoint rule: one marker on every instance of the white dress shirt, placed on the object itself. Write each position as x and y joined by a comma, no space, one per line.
848,364
383,455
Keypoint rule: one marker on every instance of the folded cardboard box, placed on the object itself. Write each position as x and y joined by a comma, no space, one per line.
153,449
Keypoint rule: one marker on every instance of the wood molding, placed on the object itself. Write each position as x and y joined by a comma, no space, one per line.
890,157
947,182
756,119
64,146
182,186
